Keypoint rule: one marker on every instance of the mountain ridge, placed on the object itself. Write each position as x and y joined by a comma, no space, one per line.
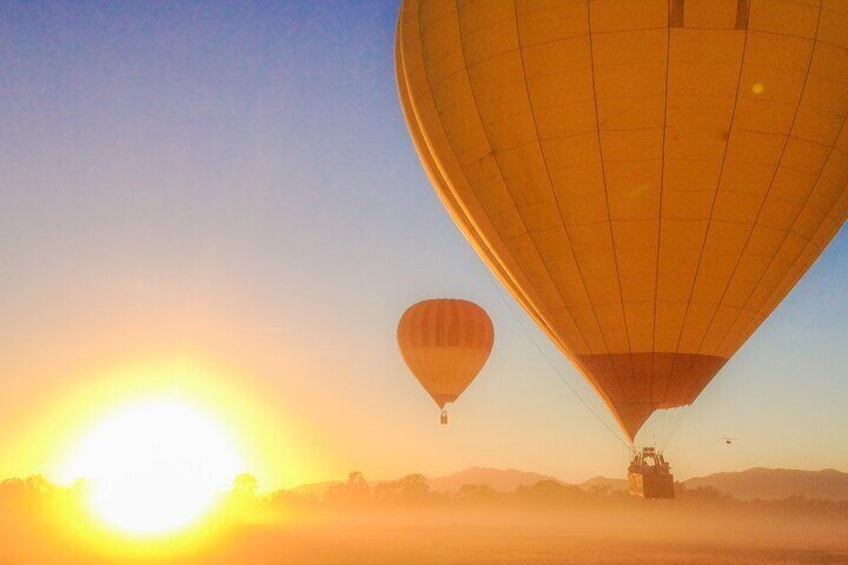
779,483
501,480
751,484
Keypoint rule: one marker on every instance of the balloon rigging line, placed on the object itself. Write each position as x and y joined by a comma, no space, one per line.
550,362
676,427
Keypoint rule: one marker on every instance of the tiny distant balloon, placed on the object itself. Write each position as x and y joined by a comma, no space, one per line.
445,342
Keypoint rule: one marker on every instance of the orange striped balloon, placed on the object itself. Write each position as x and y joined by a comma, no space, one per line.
445,342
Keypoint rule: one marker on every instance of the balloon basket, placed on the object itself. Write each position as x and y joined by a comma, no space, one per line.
649,475
444,418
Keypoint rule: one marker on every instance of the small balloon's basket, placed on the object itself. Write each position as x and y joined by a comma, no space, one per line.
444,417
649,476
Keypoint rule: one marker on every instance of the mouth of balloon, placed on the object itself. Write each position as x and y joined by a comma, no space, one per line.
637,384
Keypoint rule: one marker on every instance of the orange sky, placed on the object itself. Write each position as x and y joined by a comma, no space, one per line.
226,202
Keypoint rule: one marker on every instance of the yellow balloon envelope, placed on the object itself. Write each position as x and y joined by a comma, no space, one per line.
445,342
647,178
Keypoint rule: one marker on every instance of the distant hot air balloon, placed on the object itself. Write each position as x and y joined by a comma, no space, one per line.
445,342
647,178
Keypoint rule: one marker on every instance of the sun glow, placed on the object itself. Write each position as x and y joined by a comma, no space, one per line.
155,466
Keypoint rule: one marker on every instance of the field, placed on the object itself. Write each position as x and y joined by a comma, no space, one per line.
638,532
669,535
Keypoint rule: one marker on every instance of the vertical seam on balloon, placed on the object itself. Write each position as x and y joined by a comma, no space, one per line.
444,189
790,229
450,321
444,319
675,13
494,260
742,7
765,311
474,331
606,199
575,358
550,178
453,320
824,227
777,289
580,365
429,313
810,240
768,193
709,218
659,227
419,321
466,329
498,165
469,328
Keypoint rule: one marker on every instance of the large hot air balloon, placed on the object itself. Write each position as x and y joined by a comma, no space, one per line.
648,178
445,342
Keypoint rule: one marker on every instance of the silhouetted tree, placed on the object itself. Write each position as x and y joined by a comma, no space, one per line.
413,488
354,491
242,496
600,490
246,484
477,494
290,499
33,490
700,493
356,482
549,492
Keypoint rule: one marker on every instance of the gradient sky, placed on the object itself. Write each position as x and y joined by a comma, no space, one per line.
223,202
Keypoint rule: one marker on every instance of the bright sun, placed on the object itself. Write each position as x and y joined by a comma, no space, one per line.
155,466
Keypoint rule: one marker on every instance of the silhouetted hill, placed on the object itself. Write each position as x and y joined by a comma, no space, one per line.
757,483
777,484
502,480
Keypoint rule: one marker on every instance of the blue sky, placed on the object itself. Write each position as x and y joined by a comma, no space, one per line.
236,184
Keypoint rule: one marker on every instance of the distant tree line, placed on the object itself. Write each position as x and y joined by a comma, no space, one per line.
35,496
414,491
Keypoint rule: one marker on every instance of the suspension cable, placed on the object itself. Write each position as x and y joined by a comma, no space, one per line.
551,364
675,427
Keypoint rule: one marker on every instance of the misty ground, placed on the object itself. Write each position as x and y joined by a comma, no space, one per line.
543,524
582,536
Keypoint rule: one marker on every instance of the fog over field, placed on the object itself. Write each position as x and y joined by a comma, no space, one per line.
404,522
